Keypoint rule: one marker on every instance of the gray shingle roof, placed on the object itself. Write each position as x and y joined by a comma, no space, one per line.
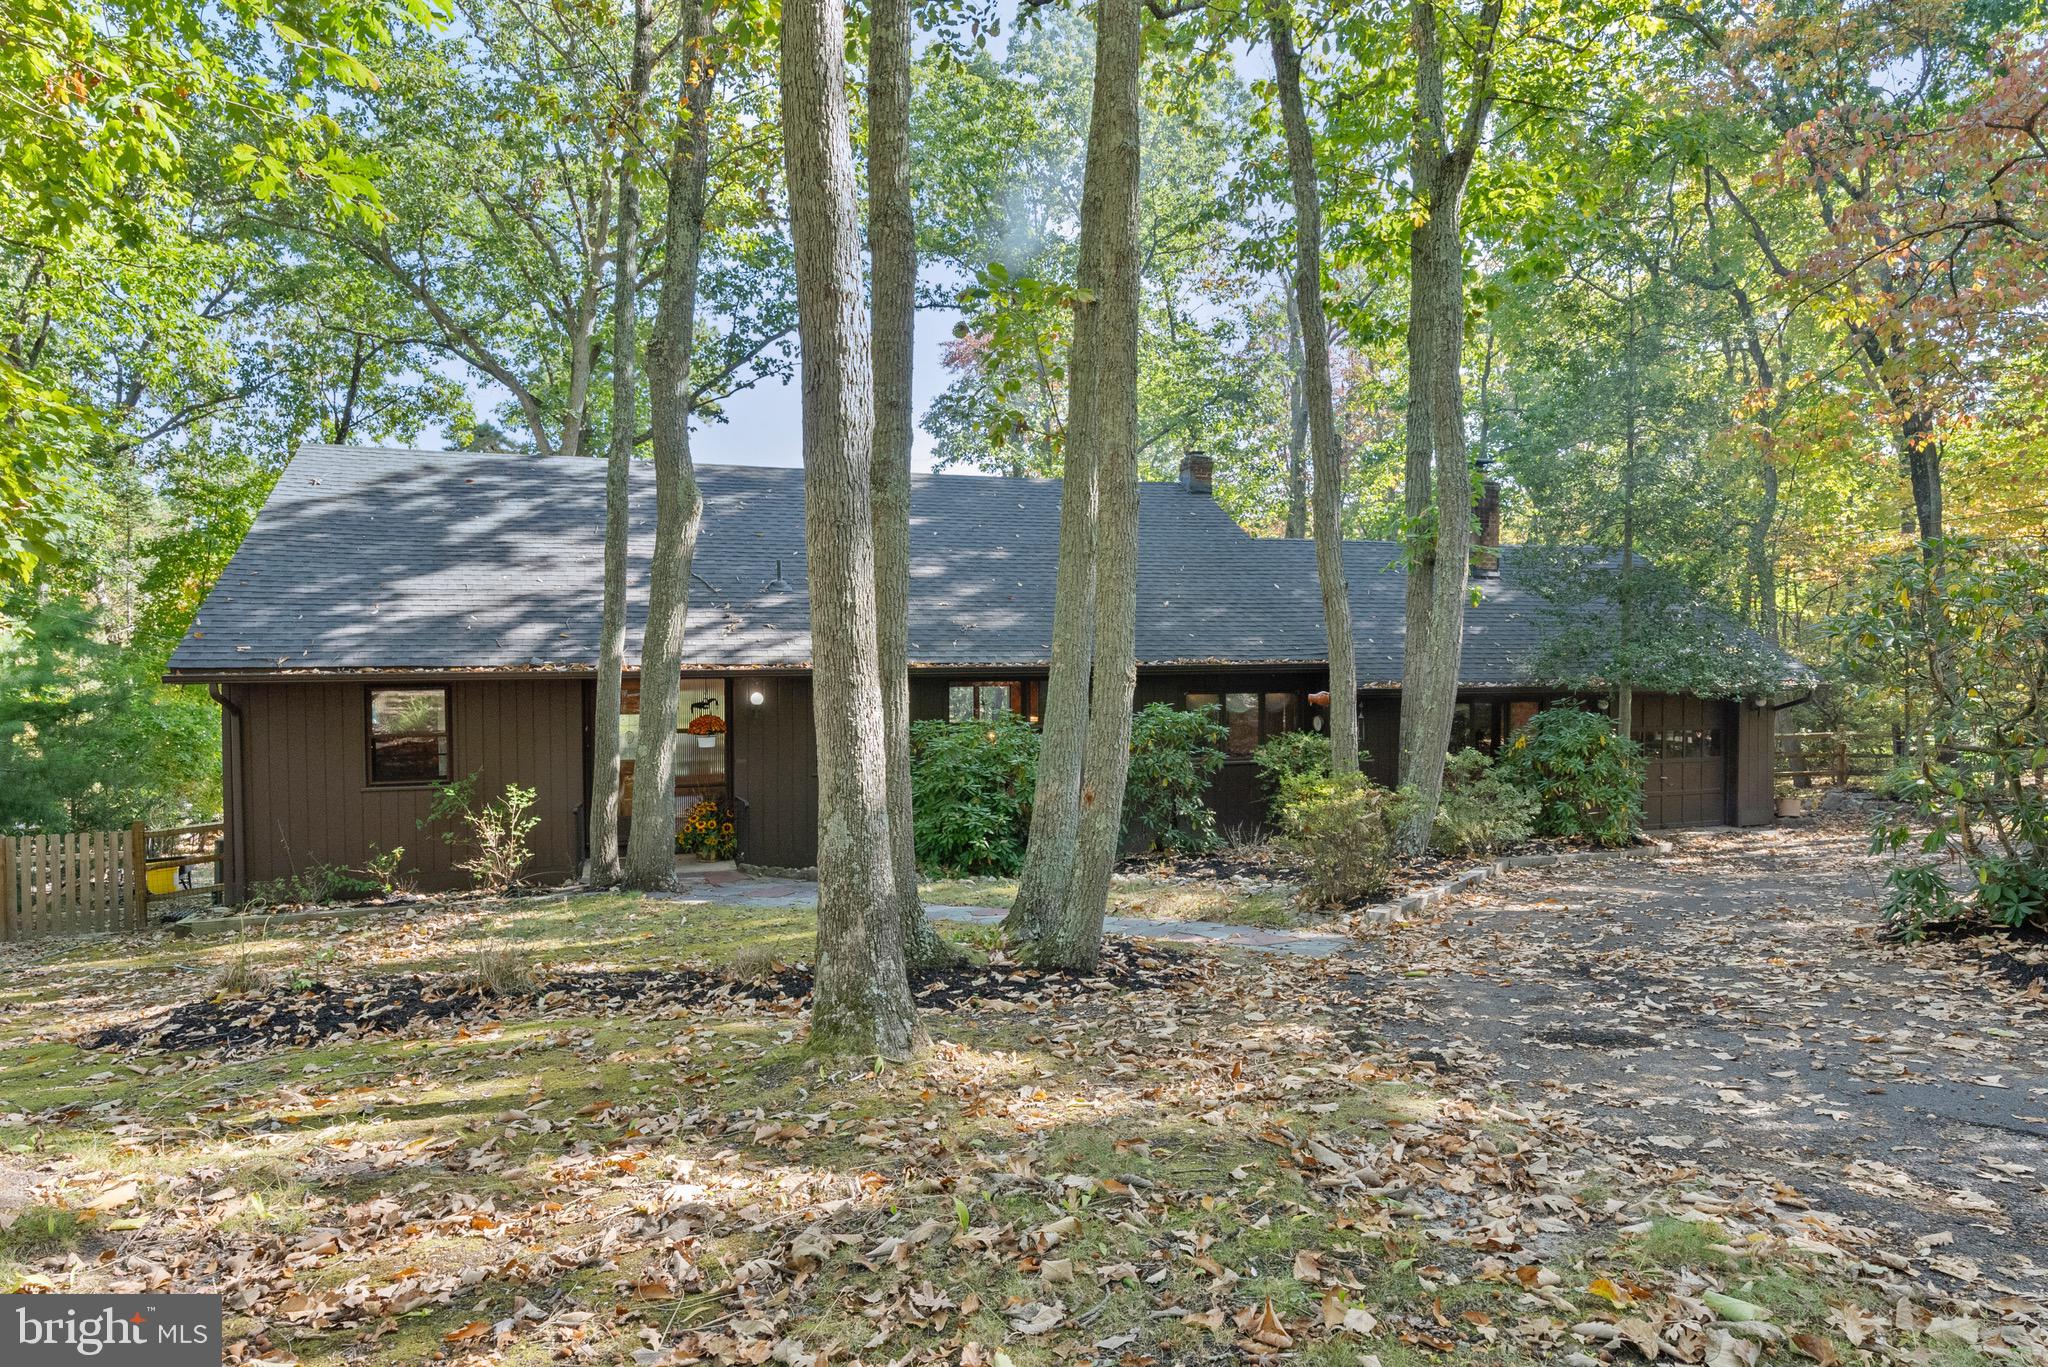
367,559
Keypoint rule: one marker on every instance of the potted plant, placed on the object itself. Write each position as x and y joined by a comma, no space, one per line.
1790,803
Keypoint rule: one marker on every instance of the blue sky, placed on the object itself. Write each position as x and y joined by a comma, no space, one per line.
764,424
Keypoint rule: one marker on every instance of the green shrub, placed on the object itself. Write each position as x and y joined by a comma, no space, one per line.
1588,782
1341,832
970,790
1292,754
1901,783
315,885
495,831
1959,629
1481,810
1174,754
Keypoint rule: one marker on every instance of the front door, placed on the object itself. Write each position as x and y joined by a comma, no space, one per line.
703,745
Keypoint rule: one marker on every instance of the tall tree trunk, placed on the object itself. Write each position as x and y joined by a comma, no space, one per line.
1108,270
892,249
583,322
860,1002
1437,468
1624,685
603,869
678,508
1920,448
1763,566
1324,456
1297,424
1429,691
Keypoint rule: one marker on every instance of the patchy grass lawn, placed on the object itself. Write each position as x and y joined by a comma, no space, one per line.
1220,1170
1146,898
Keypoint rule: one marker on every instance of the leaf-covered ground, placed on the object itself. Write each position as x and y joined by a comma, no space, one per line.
1230,1161
1738,1001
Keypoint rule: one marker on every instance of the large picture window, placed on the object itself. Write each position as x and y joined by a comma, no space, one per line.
408,735
983,701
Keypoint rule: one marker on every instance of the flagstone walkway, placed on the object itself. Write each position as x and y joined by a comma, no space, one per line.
755,890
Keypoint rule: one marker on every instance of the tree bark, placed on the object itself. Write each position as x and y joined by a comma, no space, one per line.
1624,685
583,323
860,1001
1324,457
1108,270
892,249
1437,468
1920,448
1297,424
603,868
678,508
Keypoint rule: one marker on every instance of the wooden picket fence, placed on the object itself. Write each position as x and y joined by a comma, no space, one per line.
91,882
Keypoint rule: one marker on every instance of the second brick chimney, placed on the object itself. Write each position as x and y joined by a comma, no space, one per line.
1486,556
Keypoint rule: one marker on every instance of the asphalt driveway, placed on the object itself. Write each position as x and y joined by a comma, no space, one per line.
1735,1002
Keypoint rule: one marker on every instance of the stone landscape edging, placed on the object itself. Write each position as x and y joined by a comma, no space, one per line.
1406,905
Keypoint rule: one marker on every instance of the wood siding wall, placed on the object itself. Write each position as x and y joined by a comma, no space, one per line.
298,790
1755,742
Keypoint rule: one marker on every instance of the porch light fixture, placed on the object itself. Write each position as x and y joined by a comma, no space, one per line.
757,697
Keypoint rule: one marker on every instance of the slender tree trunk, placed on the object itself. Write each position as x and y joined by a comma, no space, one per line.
603,869
583,324
1624,687
1108,270
892,249
1063,729
860,1001
1762,565
678,508
1297,423
1438,470
1324,456
1921,450
1430,682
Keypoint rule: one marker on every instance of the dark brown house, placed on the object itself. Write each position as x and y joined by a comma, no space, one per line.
397,618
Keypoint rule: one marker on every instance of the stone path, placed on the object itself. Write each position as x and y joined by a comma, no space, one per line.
737,887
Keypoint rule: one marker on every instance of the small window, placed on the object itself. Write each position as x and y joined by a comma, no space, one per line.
1241,715
408,735
981,701
1473,726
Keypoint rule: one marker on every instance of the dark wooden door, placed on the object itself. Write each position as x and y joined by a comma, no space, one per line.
1685,748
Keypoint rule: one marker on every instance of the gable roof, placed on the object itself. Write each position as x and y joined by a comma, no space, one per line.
367,559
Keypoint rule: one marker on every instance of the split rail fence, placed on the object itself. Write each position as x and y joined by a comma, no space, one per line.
1804,756
89,882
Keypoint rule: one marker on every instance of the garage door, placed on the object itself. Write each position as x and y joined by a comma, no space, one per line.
1685,745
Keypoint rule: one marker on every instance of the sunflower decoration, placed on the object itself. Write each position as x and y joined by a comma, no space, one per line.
707,832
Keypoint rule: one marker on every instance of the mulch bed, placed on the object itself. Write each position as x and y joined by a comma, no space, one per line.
322,1012
2018,954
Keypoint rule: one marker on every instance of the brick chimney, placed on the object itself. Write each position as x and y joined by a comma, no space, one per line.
1486,558
1198,473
